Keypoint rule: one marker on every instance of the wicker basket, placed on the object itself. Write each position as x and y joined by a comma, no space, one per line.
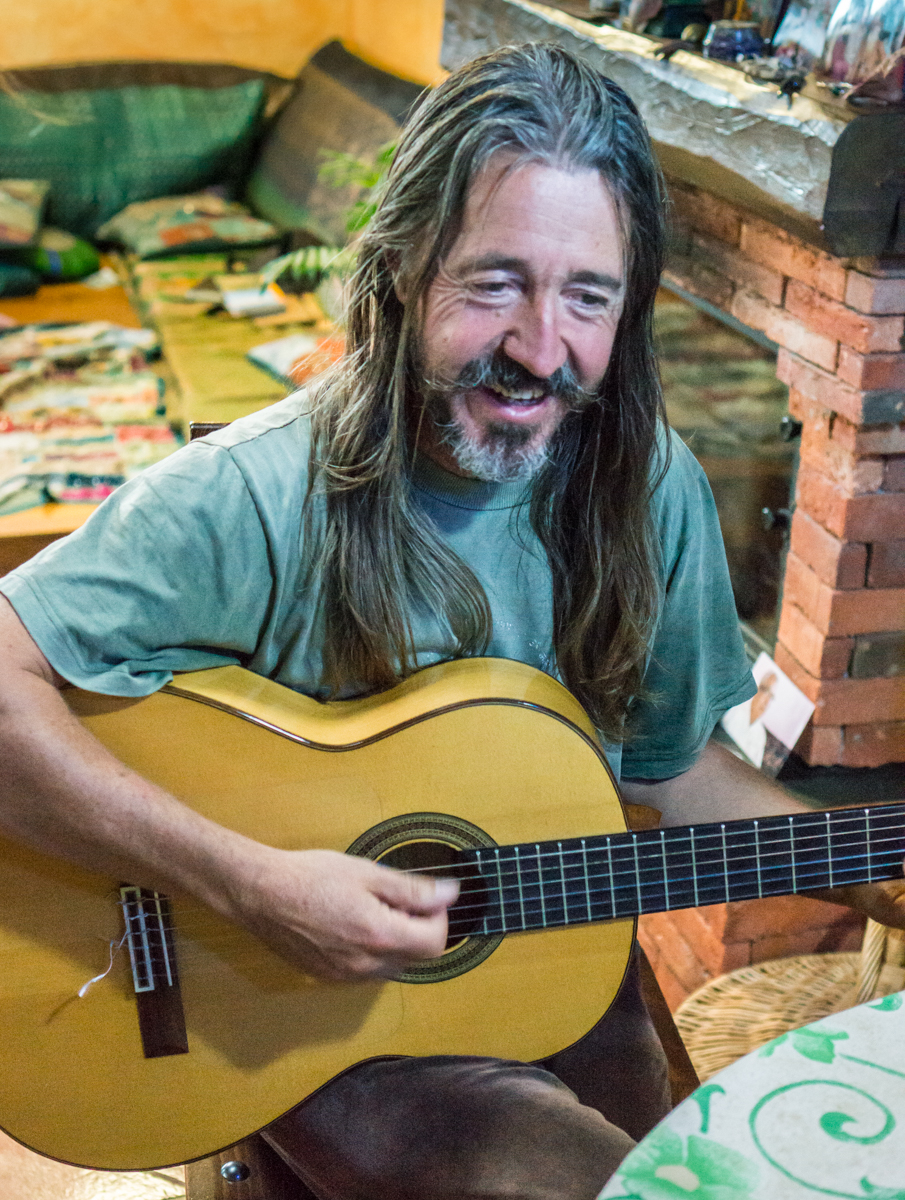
740,1011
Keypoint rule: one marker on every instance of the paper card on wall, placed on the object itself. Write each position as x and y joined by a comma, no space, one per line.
767,726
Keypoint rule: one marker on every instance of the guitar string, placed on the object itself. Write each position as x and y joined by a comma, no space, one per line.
654,855
842,862
652,844
219,942
648,840
608,890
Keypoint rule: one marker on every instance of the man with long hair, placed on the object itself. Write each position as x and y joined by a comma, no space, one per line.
488,471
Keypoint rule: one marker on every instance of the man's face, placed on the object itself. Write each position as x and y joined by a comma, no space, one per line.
518,325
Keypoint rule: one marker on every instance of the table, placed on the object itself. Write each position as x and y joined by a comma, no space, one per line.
818,1112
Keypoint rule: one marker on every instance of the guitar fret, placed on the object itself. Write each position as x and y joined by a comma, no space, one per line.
637,872
499,875
792,853
562,876
760,884
829,849
725,862
609,857
587,882
521,890
540,879
694,867
665,876
867,846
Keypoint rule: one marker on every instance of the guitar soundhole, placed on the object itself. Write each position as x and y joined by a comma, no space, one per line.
439,858
434,843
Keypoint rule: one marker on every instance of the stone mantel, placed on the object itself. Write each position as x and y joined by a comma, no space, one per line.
713,126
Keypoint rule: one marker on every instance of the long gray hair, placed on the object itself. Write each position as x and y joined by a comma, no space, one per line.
382,558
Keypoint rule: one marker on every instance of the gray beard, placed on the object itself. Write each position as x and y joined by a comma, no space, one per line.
503,457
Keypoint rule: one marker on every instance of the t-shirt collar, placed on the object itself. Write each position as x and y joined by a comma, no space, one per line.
430,477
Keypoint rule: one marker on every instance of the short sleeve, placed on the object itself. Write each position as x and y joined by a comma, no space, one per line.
698,667
172,573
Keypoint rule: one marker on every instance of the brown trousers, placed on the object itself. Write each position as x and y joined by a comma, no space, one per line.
441,1128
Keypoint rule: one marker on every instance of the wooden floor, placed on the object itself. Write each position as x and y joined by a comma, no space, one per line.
28,1176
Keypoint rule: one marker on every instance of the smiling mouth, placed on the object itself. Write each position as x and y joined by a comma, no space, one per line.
516,397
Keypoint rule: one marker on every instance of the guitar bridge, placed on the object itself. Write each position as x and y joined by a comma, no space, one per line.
152,953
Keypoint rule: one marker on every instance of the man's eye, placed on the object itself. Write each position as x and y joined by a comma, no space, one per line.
494,287
592,300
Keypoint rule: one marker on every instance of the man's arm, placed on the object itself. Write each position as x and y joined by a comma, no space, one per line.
720,787
63,793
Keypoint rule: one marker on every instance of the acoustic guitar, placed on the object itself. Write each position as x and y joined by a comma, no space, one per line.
194,1034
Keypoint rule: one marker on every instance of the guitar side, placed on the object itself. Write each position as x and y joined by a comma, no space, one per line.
493,743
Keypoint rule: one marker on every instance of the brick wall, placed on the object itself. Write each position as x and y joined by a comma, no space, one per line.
688,947
841,328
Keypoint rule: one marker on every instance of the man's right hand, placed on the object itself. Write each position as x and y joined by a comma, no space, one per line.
63,793
340,917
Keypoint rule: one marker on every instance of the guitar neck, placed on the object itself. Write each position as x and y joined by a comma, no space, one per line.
539,885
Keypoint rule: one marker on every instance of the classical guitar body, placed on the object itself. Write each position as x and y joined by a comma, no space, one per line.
466,754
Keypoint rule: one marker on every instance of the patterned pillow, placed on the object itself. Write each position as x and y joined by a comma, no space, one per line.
21,204
110,134
341,104
195,224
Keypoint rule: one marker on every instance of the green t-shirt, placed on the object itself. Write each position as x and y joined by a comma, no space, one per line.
199,562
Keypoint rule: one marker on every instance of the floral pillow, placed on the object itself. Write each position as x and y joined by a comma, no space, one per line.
194,224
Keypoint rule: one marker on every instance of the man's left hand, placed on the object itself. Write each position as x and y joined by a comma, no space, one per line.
883,902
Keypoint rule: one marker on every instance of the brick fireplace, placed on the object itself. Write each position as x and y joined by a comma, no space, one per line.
840,328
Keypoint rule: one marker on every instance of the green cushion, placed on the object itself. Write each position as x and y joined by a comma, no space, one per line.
105,147
341,104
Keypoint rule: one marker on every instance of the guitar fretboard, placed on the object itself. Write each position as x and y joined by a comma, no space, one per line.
538,885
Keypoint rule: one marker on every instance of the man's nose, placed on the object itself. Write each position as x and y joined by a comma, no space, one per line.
535,338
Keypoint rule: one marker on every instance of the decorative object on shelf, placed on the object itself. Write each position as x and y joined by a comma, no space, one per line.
862,38
801,32
732,40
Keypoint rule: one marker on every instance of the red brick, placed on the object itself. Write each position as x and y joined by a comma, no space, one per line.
827,658
675,950
874,518
839,564
707,213
874,745
868,294
835,320
887,564
845,701
867,371
741,270
782,252
856,476
894,476
692,925
754,920
822,500
784,329
846,935
870,610
840,614
889,439
803,588
820,745
829,392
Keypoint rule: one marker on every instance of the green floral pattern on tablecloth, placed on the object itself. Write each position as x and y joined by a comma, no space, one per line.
818,1112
